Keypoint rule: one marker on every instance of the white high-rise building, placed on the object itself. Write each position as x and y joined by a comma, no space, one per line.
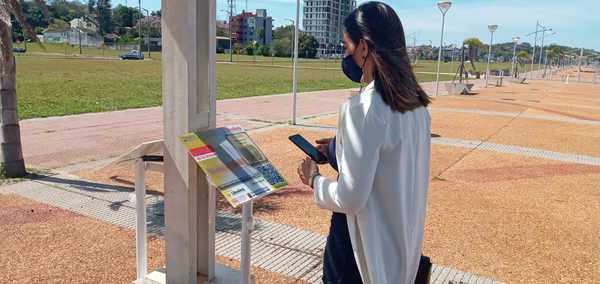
324,20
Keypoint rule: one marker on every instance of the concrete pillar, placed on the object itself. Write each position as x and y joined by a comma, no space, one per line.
188,56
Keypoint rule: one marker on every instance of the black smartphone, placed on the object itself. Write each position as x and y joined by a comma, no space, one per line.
308,148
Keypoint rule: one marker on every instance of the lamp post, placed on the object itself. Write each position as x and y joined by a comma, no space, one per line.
140,24
444,6
544,30
514,59
451,57
148,34
537,25
230,12
254,51
492,29
341,50
292,47
294,79
546,56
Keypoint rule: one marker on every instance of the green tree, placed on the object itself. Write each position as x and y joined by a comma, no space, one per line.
265,50
58,24
474,45
249,49
555,52
522,57
123,16
66,10
91,6
282,47
284,32
261,36
308,45
105,16
35,16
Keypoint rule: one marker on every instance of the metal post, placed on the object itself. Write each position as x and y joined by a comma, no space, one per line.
140,208
245,261
542,46
148,33
452,58
579,66
294,79
437,79
546,63
79,35
140,24
230,32
487,74
514,59
148,14
537,24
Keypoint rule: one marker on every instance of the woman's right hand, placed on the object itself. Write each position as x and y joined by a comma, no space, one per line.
322,145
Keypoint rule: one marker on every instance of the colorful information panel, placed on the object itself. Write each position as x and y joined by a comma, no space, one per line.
233,163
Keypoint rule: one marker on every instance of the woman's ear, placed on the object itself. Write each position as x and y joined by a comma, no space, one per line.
364,49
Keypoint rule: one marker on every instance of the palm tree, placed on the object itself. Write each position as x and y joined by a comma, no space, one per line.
11,153
522,57
474,45
555,52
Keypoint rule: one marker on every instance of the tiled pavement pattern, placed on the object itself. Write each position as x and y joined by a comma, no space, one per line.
522,115
276,247
517,150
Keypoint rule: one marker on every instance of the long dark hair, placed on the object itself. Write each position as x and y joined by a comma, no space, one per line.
380,27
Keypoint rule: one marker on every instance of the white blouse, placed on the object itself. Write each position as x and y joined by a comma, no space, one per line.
383,159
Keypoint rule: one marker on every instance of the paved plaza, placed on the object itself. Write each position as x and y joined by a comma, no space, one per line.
514,193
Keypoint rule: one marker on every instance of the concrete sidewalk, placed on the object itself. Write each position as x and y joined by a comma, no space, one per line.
60,141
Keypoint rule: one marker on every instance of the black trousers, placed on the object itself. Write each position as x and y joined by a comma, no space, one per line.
339,265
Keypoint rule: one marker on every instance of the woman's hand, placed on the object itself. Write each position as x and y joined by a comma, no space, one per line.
323,145
307,170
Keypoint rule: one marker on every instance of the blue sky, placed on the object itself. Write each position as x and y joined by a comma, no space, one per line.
576,22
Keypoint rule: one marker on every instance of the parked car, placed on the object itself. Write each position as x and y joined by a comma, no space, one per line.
132,55
19,50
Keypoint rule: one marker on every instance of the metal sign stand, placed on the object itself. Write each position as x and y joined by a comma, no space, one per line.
145,161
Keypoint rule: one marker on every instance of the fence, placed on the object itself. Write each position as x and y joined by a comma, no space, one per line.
587,74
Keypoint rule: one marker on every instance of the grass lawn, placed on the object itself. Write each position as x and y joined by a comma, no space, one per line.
54,86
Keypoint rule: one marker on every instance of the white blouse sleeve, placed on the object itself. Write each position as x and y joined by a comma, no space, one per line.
362,136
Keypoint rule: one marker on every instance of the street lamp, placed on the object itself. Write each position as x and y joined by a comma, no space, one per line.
542,48
451,46
148,26
292,48
254,50
492,29
294,80
444,6
140,24
514,59
546,57
230,12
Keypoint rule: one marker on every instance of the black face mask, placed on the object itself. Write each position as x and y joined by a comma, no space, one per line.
351,69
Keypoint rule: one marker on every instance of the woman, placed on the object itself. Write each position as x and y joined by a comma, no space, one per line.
382,151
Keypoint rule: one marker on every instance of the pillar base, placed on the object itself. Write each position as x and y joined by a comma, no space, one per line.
224,275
